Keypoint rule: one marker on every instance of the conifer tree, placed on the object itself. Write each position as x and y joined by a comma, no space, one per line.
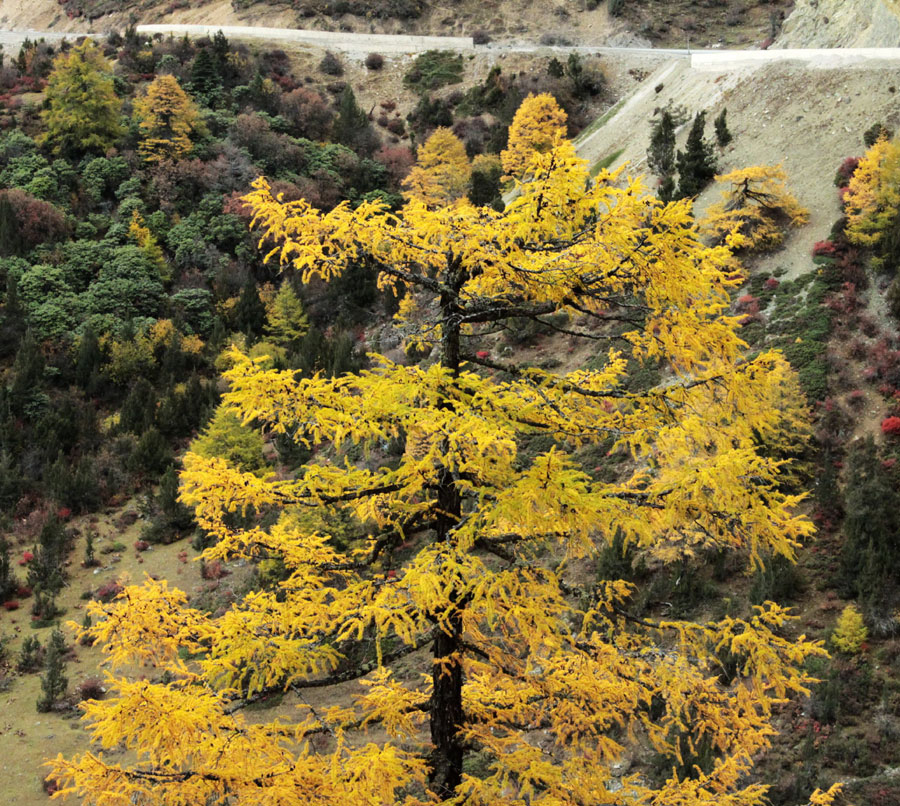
206,80
723,136
54,682
538,125
352,126
250,312
756,209
46,571
8,581
697,163
287,322
661,154
442,171
168,120
462,543
870,555
82,111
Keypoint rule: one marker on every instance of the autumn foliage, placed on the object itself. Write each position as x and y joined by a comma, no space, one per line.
441,173
459,549
755,211
168,119
538,125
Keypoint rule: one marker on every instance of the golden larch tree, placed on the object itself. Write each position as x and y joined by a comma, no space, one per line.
81,110
455,547
168,119
872,202
538,125
755,211
442,171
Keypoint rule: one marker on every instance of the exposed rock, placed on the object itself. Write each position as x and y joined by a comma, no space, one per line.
842,24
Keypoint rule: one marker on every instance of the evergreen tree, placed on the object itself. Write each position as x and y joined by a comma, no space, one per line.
352,127
661,154
723,136
139,409
46,571
697,163
54,682
871,552
206,81
28,373
8,581
88,360
11,242
250,313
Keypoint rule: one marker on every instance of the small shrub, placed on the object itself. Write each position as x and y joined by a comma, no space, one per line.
91,689
374,61
890,426
331,65
480,37
212,570
141,545
12,604
107,592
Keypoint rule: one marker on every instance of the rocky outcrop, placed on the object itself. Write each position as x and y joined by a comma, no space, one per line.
842,24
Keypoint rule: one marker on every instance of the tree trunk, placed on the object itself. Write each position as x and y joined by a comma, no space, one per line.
446,699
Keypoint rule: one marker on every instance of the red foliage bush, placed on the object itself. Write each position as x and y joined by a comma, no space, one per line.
11,604
823,249
396,126
845,171
398,160
107,592
212,570
23,591
856,398
37,221
747,304
772,283
27,557
141,545
307,112
890,426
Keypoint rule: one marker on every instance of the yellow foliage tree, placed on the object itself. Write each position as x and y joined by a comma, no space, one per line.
755,210
459,546
851,632
442,171
538,125
168,119
872,202
287,321
81,112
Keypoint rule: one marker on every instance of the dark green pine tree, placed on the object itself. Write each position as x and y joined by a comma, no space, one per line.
88,360
723,136
176,515
250,313
661,154
28,373
46,571
352,126
870,557
54,682
206,80
8,581
697,163
10,231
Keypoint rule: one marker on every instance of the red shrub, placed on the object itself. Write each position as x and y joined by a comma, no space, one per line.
890,426
37,221
307,112
11,604
823,249
845,171
772,283
747,304
141,545
108,591
398,160
212,570
856,398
